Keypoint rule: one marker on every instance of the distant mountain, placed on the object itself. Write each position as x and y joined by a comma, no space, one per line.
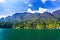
33,16
8,18
2,19
46,16
22,16
57,14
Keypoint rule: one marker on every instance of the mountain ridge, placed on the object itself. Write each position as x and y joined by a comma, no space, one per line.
33,16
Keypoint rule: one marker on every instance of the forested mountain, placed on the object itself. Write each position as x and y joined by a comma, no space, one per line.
32,20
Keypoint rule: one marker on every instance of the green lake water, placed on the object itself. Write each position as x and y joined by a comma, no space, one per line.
29,34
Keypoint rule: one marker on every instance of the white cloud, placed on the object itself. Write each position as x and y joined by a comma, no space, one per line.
26,2
41,10
53,0
1,1
29,10
2,16
43,1
29,5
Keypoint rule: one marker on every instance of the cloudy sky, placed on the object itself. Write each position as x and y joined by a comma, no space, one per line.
9,7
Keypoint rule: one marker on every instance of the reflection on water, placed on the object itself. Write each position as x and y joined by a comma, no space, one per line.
29,34
1,34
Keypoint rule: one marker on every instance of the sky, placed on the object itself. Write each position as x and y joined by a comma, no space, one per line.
9,7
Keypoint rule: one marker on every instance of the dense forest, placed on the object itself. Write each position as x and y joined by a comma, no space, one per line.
27,20
32,24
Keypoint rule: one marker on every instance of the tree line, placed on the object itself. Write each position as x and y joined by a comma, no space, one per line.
31,24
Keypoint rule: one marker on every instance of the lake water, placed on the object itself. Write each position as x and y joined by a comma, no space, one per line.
29,34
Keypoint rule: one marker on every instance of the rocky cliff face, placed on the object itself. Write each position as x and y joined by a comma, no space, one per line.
33,16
